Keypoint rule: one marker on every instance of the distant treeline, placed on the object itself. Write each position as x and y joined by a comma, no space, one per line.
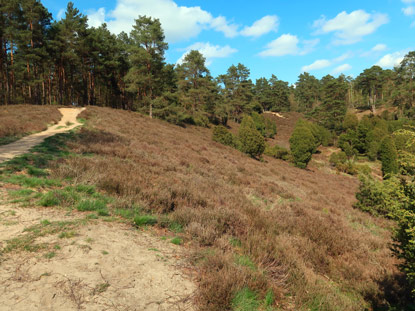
63,62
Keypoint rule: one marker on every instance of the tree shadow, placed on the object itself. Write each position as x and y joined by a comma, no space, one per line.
395,294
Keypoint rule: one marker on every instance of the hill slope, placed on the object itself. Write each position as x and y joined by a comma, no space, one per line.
298,228
256,227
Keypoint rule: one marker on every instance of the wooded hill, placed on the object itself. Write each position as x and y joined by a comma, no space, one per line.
43,61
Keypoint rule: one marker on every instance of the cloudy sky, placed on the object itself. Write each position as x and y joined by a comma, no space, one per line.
281,37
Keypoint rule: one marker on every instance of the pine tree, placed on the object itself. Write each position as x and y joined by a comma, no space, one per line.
146,49
196,88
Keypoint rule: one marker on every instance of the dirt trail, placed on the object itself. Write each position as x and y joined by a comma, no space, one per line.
23,145
100,266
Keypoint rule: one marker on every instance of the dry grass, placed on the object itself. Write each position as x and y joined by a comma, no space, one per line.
18,120
297,226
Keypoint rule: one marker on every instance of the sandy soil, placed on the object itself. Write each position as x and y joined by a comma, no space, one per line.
23,145
105,266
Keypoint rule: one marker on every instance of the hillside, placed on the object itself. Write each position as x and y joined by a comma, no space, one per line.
19,120
261,227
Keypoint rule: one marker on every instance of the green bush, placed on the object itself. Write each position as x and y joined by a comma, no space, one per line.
302,144
388,156
277,152
251,141
270,128
342,163
259,122
350,121
265,126
223,136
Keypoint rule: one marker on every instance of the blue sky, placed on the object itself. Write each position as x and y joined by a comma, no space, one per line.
278,37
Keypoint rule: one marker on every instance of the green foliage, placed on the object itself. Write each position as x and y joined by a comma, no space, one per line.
177,241
251,141
245,300
277,152
342,163
380,198
350,121
91,205
388,156
245,261
145,220
303,143
223,136
265,126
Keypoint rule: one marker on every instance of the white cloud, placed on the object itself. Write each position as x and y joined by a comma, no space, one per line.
262,26
342,57
409,11
391,60
209,51
324,63
179,22
96,18
350,28
221,24
60,14
318,64
341,69
288,44
408,1
379,47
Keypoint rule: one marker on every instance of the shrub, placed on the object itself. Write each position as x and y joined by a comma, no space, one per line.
342,164
259,122
277,152
252,142
388,156
223,136
348,142
380,198
302,144
270,128
265,126
404,236
350,121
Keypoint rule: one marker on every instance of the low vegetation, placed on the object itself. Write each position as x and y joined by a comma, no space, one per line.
271,235
19,120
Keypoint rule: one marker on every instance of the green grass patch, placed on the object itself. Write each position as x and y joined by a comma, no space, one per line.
245,261
67,234
31,182
50,255
176,227
235,242
245,300
37,172
177,241
20,193
91,205
61,197
9,139
145,220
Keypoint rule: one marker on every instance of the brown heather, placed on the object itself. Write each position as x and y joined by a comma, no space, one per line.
18,120
298,227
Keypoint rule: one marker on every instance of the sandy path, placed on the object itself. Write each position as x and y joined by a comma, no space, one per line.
23,145
104,266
